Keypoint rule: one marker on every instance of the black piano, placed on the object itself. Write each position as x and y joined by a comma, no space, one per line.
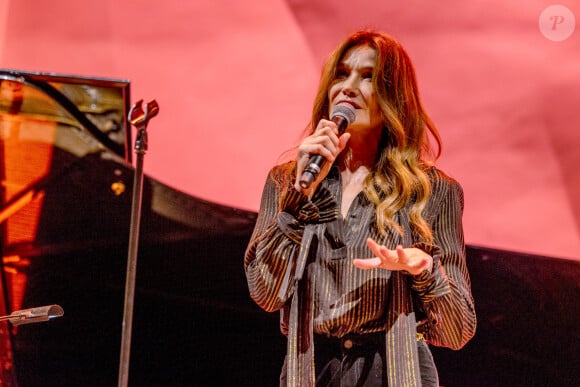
67,174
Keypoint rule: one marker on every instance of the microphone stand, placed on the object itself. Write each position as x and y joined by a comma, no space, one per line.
139,117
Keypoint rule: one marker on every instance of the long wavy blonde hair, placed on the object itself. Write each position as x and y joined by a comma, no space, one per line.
399,177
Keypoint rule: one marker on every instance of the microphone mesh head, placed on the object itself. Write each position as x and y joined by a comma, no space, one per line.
345,111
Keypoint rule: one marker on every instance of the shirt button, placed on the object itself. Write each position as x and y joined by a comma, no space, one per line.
347,344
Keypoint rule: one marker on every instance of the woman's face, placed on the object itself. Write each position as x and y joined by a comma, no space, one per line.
353,85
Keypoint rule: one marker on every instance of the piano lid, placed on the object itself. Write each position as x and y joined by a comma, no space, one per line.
95,106
47,122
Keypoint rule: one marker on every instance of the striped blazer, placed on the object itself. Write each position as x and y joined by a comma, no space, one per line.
299,243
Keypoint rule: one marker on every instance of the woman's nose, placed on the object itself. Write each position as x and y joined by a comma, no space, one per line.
350,85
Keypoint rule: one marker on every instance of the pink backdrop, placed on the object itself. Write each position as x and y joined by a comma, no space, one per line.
235,80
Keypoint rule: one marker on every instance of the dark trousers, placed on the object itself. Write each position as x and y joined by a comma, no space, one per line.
359,361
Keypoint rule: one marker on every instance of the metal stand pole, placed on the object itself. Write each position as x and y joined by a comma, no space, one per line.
139,118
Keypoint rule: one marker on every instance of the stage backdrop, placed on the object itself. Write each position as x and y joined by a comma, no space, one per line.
235,81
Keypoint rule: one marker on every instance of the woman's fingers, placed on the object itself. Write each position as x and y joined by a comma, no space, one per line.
307,150
324,141
385,258
411,260
367,263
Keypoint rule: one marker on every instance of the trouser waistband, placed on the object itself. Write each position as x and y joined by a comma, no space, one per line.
350,341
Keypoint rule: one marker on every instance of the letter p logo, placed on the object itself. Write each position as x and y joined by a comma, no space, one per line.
558,19
557,23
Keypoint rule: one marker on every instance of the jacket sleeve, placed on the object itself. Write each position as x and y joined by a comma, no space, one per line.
271,257
445,293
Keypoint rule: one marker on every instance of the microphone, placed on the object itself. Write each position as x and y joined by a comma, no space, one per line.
342,115
34,315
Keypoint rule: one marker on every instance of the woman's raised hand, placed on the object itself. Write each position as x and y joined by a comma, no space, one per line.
324,141
411,259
